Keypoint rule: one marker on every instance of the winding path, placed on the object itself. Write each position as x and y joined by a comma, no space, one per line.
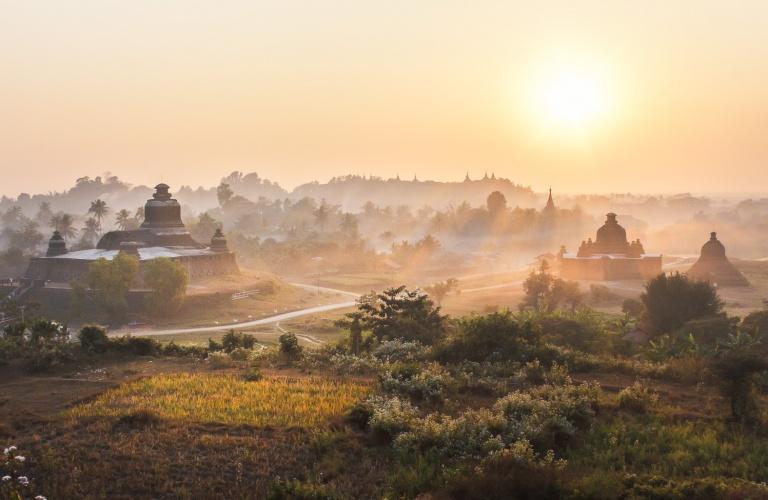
258,322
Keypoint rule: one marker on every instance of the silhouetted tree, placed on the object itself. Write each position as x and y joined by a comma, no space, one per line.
671,301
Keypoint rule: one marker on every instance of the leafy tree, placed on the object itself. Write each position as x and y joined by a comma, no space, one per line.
93,338
289,346
671,301
63,223
44,213
224,193
496,203
90,231
441,289
99,210
167,279
28,238
354,323
401,313
348,226
110,281
739,362
544,292
632,307
233,340
321,215
493,337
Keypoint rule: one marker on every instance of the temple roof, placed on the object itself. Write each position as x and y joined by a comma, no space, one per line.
162,225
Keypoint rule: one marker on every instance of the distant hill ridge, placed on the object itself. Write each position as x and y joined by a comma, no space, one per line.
351,192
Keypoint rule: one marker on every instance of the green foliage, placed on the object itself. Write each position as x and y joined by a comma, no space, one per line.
633,308
514,472
544,292
137,346
289,346
93,338
253,375
110,281
756,322
637,398
423,382
491,337
400,313
738,362
236,340
298,490
707,332
167,279
671,301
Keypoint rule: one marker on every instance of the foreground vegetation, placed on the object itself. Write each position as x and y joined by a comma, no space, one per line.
553,401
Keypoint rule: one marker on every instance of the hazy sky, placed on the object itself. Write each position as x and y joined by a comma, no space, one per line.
185,91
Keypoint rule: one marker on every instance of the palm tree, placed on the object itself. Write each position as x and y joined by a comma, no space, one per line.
90,230
139,216
99,210
66,226
123,219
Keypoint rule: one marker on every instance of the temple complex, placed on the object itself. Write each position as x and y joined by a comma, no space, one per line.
609,257
162,234
714,266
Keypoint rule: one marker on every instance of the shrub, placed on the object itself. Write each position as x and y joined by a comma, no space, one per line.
237,340
514,472
240,354
253,375
391,351
138,346
93,338
390,416
493,337
671,301
219,360
637,398
421,382
298,490
289,346
46,356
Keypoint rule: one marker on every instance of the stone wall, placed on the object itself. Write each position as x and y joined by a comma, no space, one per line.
609,269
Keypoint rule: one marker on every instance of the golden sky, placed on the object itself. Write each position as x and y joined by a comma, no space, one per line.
186,91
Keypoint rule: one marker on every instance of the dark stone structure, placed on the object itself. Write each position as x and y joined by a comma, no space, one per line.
610,257
162,234
714,266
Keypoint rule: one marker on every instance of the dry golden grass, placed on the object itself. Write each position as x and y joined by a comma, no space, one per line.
228,399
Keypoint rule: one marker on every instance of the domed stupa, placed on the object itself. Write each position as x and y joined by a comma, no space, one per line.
610,256
714,266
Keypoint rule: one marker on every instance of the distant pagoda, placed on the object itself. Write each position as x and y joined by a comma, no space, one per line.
714,266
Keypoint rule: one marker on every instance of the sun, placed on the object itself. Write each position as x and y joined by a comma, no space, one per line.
570,97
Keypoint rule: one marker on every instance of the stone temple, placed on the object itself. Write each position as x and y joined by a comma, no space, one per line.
610,257
714,266
162,234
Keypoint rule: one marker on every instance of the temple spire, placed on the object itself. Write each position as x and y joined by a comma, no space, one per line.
550,207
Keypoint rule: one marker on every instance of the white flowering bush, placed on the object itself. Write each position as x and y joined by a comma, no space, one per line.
546,416
219,359
398,350
14,483
638,398
390,416
344,364
427,382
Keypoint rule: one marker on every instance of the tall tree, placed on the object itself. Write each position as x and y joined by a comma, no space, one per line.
99,210
110,281
124,220
64,224
168,281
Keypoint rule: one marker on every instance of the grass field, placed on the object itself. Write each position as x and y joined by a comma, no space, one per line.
228,399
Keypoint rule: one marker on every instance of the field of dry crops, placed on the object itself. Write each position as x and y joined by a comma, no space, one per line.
228,399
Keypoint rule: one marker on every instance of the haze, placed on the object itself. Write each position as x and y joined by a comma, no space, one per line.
298,91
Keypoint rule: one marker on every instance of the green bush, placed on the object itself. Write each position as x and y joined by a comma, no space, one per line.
493,337
289,346
253,375
637,398
93,338
137,346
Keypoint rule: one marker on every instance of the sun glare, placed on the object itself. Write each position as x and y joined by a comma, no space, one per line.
568,97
